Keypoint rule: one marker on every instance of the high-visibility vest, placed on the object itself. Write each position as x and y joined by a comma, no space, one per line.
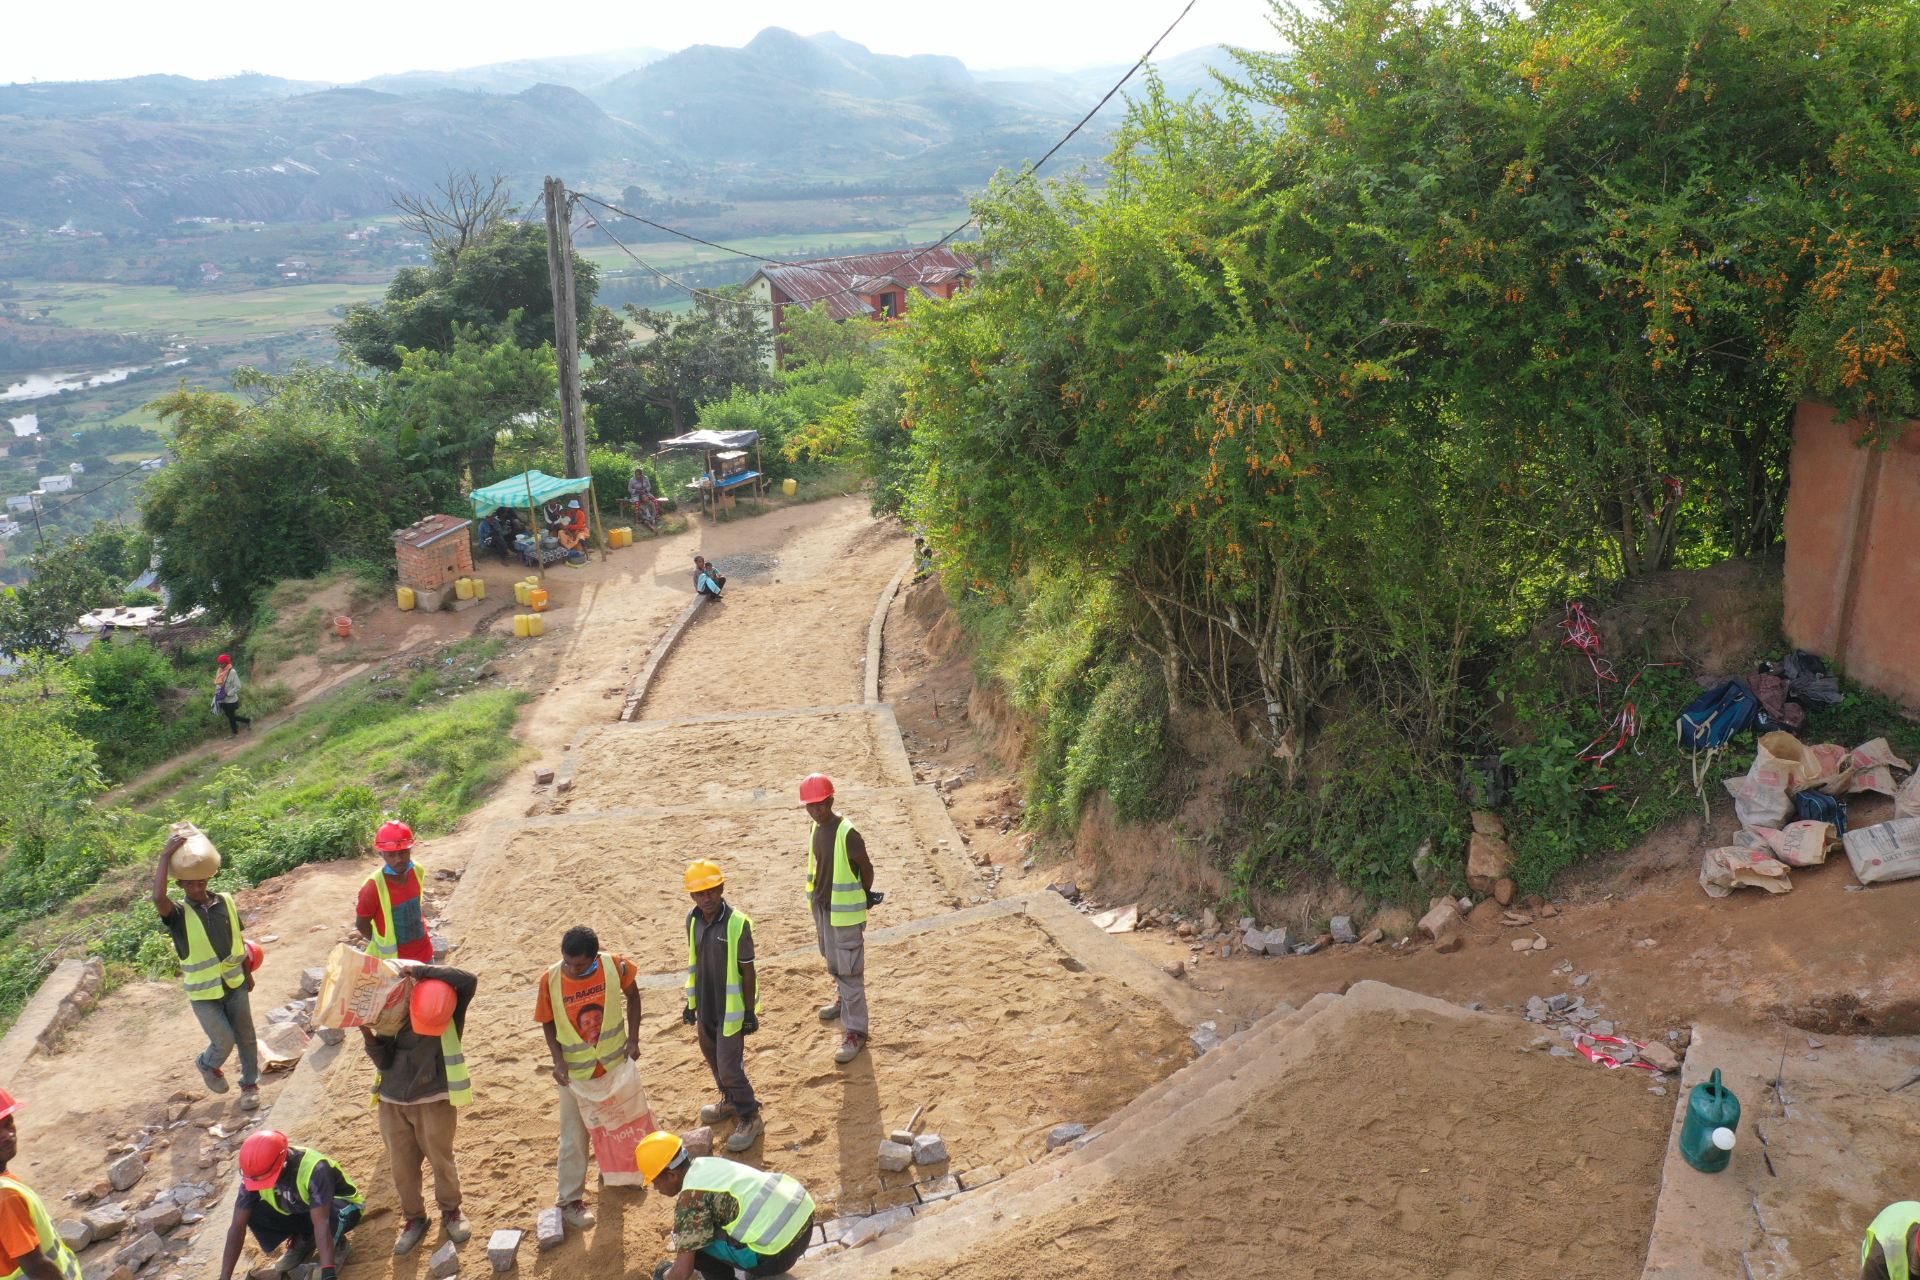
736,1011
50,1242
459,1083
383,945
847,904
773,1206
581,1057
1889,1231
310,1160
207,974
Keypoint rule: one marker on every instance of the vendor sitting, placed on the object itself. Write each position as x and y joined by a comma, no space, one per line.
570,525
646,507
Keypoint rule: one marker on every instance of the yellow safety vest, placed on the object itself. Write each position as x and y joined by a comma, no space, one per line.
1889,1231
459,1083
736,1011
310,1160
774,1207
205,972
847,904
581,1057
384,946
50,1242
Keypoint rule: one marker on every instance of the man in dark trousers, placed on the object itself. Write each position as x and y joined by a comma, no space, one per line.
723,999
839,889
294,1196
206,936
422,1082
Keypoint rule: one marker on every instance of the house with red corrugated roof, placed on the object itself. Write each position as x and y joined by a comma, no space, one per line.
872,285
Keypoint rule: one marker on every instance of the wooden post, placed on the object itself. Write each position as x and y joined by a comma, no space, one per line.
533,520
599,525
566,326
759,479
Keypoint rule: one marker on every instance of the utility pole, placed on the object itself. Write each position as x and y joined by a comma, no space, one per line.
566,326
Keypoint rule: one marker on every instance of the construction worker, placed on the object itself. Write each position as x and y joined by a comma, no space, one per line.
422,1081
213,955
294,1196
1892,1247
388,911
583,1045
726,1215
840,889
29,1245
723,999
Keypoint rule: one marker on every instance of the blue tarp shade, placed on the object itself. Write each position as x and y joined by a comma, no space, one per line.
699,440
513,492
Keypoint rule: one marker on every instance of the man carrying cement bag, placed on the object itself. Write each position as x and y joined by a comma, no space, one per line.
571,1008
726,1215
362,991
213,955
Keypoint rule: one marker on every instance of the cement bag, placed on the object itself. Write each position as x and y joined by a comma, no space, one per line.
1726,869
1798,844
1873,766
1906,801
1885,851
360,991
617,1117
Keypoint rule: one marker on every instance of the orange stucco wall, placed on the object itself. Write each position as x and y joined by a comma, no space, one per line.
1853,551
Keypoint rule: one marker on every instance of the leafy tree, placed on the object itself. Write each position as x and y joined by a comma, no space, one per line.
447,408
48,775
692,358
121,686
121,552
36,616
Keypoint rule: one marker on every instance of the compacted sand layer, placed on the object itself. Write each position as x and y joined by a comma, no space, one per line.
624,874
991,1025
631,766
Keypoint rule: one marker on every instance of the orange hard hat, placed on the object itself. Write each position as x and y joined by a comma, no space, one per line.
815,787
8,1104
704,874
262,1157
394,837
256,956
431,1007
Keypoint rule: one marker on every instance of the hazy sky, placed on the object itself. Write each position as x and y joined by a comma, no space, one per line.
306,40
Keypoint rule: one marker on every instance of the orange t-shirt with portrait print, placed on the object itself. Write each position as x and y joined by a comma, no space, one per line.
587,998
18,1236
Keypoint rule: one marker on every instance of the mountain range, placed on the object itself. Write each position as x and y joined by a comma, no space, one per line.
784,108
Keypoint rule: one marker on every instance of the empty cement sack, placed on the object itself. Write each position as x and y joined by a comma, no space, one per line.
361,991
1798,844
1873,765
1763,797
1726,869
1884,851
614,1107
1906,801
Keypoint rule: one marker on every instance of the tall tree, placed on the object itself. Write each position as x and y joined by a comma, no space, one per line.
459,212
693,357
66,582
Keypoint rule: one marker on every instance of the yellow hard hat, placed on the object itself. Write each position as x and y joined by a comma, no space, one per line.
704,874
655,1152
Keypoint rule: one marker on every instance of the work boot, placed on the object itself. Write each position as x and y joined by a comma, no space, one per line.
715,1112
249,1097
459,1230
213,1077
830,1012
749,1129
412,1232
300,1250
577,1215
849,1048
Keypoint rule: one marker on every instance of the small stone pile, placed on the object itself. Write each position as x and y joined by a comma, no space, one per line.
121,1230
1579,1023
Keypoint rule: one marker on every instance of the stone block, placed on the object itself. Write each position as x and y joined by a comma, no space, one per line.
1061,1135
1205,1039
329,1035
1660,1057
1254,941
107,1221
1341,927
941,1188
1280,942
1489,859
503,1248
160,1219
126,1171
871,1228
929,1149
74,1233
698,1142
1444,918
979,1177
1174,968
136,1252
551,1228
542,777
1372,936
310,980
1559,1003
445,1261
895,1156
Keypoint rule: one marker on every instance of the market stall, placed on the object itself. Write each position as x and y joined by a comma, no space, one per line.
727,472
530,491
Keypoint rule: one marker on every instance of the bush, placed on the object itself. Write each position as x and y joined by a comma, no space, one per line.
126,681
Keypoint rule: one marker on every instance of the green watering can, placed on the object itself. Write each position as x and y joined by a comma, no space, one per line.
1713,1114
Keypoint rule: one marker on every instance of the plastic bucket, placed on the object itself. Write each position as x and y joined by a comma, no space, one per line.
520,621
344,626
537,599
405,595
789,486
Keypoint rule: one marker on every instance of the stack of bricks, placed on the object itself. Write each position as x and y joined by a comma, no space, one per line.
433,552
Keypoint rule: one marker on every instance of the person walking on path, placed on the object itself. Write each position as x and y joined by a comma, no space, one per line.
584,1042
723,999
226,696
30,1247
727,1217
294,1196
388,911
1891,1250
422,1080
213,959
840,889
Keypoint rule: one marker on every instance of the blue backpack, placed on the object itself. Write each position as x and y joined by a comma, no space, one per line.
1712,719
1818,806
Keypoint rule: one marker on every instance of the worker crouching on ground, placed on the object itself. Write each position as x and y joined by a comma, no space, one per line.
422,1079
294,1196
839,888
213,961
584,1042
726,1215
723,999
388,910
29,1245
1892,1247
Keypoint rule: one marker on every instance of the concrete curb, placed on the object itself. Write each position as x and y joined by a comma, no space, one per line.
69,991
877,627
638,693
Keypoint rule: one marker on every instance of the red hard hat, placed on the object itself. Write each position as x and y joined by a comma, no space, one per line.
394,837
816,786
8,1104
256,955
431,1007
262,1157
